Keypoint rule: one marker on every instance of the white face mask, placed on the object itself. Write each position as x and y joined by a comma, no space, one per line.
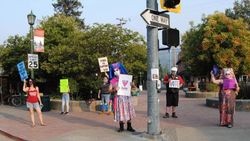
117,72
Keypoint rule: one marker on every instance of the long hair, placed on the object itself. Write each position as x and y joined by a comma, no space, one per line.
112,68
33,82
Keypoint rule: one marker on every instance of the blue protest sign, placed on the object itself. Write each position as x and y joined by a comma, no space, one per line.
22,71
215,70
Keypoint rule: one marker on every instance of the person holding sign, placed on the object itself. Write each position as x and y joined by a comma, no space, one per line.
33,101
173,83
121,88
227,94
64,89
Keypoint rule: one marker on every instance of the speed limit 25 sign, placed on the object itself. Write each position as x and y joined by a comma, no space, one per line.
33,61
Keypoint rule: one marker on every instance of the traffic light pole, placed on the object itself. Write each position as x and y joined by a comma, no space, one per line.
153,127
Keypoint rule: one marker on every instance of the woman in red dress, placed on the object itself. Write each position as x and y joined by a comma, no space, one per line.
33,101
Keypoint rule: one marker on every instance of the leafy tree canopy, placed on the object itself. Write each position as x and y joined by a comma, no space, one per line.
241,9
69,8
72,52
218,40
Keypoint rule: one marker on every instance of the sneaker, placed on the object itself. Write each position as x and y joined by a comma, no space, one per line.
166,115
62,113
66,113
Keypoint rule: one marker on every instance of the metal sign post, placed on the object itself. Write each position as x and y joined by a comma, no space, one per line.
152,63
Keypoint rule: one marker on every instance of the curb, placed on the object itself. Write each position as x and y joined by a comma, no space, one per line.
11,136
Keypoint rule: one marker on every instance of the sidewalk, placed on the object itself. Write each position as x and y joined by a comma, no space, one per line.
196,122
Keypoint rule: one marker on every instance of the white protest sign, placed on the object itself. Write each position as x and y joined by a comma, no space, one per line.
103,64
174,84
124,84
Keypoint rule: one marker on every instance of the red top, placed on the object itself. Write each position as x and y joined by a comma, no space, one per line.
166,79
32,96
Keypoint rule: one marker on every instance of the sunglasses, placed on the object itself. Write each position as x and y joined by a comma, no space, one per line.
227,73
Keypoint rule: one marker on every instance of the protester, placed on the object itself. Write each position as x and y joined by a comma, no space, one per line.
33,101
122,105
104,93
173,83
227,94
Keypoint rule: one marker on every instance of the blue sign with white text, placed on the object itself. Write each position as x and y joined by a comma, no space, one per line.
22,71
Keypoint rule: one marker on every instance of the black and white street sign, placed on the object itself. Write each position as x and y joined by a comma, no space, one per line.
155,18
32,61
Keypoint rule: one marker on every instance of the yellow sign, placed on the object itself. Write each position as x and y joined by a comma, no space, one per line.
64,85
177,8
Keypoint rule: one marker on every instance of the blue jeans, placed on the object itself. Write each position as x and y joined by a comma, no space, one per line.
65,101
105,98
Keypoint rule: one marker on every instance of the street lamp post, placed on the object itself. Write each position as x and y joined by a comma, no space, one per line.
31,20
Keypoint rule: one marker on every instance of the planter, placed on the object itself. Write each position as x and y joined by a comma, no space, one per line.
83,106
199,94
241,104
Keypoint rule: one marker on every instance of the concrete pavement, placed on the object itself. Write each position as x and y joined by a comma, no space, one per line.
196,122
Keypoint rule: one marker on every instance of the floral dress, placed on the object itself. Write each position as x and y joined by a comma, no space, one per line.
226,106
122,105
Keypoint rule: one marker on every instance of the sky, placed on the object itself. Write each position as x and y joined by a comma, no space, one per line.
14,13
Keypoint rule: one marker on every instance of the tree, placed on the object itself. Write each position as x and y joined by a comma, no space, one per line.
69,8
118,44
218,40
61,56
14,51
241,9
71,52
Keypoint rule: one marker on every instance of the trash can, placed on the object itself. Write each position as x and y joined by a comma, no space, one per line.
46,103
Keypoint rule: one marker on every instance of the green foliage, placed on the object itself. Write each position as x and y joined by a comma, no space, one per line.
14,51
211,87
69,8
241,9
218,40
73,52
117,44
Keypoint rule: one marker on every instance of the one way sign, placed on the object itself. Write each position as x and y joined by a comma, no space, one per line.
155,19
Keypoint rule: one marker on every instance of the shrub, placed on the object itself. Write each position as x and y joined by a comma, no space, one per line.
212,87
244,92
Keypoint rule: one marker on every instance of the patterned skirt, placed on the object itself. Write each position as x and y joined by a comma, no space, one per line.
123,108
227,106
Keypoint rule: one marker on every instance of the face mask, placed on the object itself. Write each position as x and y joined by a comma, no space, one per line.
117,73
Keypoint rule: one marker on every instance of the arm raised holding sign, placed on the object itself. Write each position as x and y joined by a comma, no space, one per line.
33,100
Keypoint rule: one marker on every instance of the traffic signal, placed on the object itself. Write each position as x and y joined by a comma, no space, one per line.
170,37
171,5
